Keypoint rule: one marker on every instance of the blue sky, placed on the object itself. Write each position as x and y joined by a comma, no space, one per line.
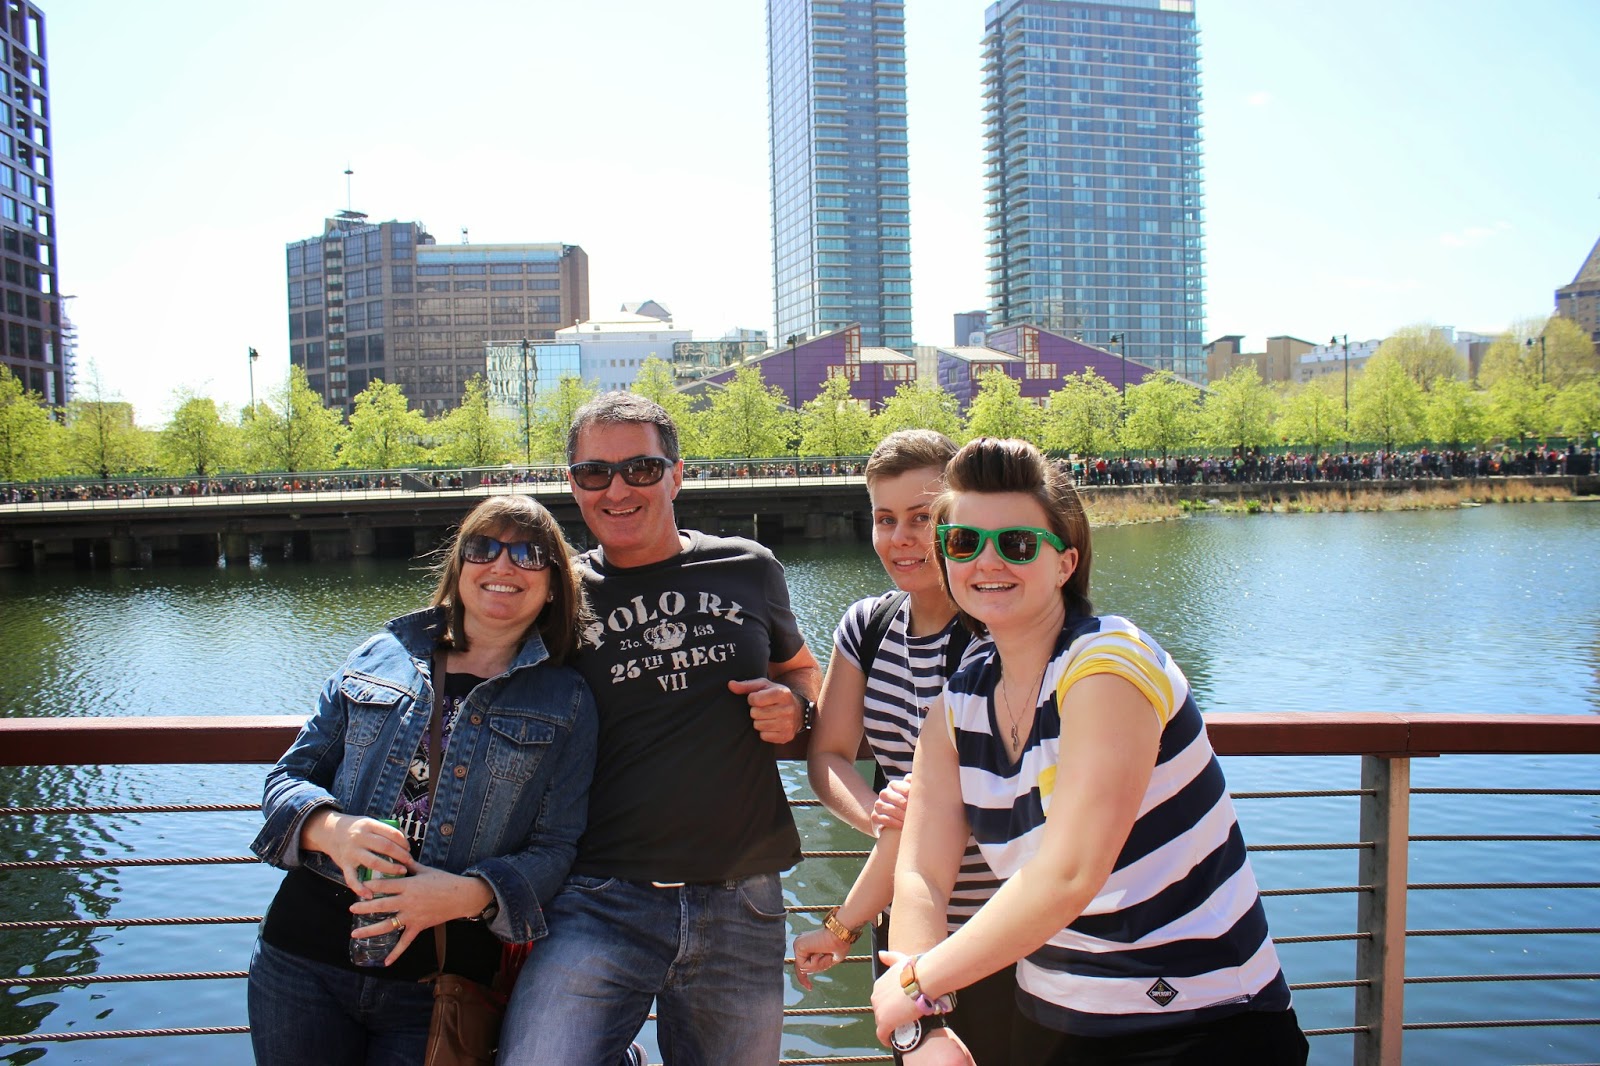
1367,164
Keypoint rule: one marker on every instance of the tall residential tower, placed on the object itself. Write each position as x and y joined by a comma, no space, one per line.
1092,134
841,237
30,315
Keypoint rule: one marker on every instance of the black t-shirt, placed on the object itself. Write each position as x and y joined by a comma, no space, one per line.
685,789
310,916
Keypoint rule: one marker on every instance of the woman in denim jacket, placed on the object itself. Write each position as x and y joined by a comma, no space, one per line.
518,755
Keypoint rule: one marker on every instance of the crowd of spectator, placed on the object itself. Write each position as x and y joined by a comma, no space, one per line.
1087,470
1253,467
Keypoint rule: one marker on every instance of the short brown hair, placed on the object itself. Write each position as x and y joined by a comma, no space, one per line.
908,449
989,464
623,408
561,621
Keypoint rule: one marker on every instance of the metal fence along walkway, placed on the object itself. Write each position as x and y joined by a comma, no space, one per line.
1383,839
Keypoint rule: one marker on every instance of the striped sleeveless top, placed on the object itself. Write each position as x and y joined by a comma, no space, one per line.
907,675
1177,935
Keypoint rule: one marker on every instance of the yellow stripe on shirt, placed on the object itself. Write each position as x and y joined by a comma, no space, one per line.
1138,670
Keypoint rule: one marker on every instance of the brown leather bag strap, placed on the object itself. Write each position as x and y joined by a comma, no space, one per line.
435,762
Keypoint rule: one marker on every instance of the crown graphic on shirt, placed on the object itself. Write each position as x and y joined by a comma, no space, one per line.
666,636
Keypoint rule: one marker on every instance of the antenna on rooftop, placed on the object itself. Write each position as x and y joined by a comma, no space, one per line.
464,236
348,206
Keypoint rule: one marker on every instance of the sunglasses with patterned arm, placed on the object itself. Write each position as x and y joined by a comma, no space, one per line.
484,550
640,471
1017,545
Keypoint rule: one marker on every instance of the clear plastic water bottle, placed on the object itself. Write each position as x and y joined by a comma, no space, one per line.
372,950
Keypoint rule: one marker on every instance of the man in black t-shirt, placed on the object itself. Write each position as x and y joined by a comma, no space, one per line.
698,669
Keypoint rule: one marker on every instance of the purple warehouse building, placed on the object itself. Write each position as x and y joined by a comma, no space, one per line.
1039,359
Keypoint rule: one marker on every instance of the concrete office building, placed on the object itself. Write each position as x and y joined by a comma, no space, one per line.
1092,138
613,347
384,301
841,237
30,311
970,327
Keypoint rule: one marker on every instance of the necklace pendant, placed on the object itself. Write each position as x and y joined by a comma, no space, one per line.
1013,734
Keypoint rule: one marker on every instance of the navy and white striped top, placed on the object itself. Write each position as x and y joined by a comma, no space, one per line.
907,676
1177,935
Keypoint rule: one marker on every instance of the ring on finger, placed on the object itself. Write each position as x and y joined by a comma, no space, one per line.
398,924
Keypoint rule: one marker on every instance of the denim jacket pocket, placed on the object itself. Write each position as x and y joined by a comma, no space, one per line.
517,744
368,704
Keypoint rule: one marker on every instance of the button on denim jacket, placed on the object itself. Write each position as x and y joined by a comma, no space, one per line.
513,793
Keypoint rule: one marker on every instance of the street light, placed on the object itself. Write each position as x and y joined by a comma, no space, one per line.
527,408
1345,340
1541,355
253,358
794,373
1116,338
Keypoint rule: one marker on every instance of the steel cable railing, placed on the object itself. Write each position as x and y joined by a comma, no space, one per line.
1365,887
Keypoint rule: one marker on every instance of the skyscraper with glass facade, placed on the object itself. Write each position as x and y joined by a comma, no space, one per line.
30,314
1092,135
841,237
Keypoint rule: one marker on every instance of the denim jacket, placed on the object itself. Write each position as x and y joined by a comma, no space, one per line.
513,794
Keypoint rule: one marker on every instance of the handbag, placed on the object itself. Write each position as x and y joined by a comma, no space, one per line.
465,1027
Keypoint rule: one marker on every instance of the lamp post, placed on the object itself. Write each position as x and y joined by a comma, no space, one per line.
794,373
527,408
1541,355
253,357
1122,353
1345,340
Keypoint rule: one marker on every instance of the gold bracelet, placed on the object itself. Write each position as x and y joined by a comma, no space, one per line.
832,924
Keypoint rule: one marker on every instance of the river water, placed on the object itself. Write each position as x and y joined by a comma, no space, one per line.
1491,609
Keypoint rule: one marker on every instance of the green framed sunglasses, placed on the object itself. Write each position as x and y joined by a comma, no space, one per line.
1015,544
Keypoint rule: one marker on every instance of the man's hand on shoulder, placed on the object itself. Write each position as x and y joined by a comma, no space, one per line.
776,711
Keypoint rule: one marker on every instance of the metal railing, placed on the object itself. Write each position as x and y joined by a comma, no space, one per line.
1385,743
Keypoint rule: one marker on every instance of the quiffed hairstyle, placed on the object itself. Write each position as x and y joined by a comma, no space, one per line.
562,620
906,450
992,465
624,408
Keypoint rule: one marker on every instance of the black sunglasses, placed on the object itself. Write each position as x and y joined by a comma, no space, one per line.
1017,545
641,470
480,549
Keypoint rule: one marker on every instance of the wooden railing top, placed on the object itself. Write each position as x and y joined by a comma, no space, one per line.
82,741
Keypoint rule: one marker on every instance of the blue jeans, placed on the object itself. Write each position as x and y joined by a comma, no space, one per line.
303,1011
710,955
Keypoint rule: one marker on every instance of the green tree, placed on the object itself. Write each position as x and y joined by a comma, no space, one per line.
471,434
1510,354
1577,409
30,440
554,410
1386,403
1566,354
102,439
291,430
1519,406
748,418
657,382
919,405
196,440
1237,412
1424,353
1312,415
1163,414
833,422
385,432
1083,415
1000,411
1453,414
